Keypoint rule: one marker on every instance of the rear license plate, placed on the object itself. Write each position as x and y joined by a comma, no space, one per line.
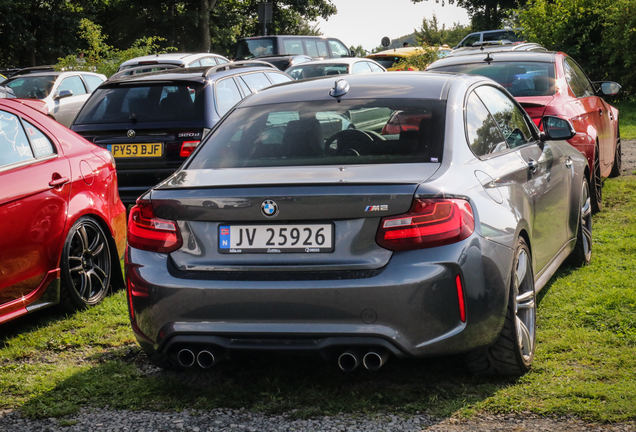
289,238
136,150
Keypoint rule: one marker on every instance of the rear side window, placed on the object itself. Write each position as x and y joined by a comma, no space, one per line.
207,61
261,47
292,46
484,137
278,78
14,144
256,81
144,103
316,48
327,133
74,84
227,95
519,78
360,67
576,78
510,118
40,143
92,82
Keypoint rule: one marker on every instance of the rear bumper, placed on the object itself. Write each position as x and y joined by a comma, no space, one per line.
410,308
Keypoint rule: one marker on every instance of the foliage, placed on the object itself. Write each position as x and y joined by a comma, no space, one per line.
486,14
102,58
419,61
431,34
598,34
358,51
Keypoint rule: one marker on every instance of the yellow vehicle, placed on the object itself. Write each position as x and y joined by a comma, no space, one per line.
389,58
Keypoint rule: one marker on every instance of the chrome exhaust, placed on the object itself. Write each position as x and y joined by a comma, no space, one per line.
186,358
374,360
205,359
349,360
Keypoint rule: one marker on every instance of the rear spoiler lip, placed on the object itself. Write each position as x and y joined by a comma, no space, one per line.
532,104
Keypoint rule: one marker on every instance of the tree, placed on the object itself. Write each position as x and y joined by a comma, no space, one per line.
431,34
486,14
358,51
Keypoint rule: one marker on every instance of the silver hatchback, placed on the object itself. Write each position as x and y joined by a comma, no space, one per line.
378,215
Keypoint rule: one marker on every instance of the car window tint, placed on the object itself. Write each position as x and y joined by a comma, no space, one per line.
278,77
92,82
312,49
40,143
360,67
14,144
145,103
292,46
519,78
374,67
227,95
195,64
338,49
471,39
510,118
221,60
494,36
256,81
327,133
74,84
484,137
579,83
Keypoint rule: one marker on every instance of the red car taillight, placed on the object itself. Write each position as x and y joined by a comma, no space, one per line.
150,233
429,223
188,147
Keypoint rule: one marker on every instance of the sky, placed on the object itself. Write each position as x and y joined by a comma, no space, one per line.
366,22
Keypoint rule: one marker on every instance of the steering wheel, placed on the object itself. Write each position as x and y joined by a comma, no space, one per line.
348,140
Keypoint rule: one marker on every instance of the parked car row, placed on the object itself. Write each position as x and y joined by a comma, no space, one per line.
354,215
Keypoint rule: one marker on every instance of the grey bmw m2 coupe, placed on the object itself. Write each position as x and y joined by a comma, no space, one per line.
360,218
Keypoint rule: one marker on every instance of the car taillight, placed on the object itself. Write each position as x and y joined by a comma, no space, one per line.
148,232
429,223
188,147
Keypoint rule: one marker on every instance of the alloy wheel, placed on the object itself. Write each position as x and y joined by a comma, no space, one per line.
525,308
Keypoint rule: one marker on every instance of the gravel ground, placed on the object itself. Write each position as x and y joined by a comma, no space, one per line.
106,420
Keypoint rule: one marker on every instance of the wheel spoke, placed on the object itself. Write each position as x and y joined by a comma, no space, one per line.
98,281
87,287
524,338
525,300
100,273
83,235
522,268
75,264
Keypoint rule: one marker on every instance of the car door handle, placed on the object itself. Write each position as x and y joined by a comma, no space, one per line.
533,165
58,181
568,162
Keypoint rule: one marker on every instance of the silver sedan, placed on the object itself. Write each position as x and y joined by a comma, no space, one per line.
422,225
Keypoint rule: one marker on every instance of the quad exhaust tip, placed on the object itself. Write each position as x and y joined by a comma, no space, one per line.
206,359
372,360
349,360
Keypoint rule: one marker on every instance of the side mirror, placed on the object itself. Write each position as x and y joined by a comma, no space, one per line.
64,94
556,128
608,88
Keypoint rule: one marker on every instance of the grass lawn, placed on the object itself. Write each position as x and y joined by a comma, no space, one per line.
627,119
52,364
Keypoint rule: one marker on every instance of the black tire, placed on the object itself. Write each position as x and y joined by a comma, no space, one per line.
618,159
513,351
596,185
582,253
85,265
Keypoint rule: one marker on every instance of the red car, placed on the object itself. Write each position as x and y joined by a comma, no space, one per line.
552,83
63,226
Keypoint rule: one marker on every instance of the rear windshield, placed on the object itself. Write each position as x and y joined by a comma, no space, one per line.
317,70
519,78
31,87
387,62
148,103
375,131
261,47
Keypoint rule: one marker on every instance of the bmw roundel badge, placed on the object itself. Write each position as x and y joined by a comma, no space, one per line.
131,133
269,208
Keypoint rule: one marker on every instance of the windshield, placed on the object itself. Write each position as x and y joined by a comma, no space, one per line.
312,71
329,132
146,103
519,78
261,47
31,87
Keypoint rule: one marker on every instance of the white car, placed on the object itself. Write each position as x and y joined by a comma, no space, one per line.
178,59
64,93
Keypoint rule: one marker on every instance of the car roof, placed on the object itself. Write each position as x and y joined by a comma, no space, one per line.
404,51
408,85
197,74
288,36
341,60
53,73
493,46
172,56
481,56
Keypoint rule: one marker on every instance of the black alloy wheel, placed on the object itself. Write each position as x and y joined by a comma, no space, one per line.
596,184
85,266
513,352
